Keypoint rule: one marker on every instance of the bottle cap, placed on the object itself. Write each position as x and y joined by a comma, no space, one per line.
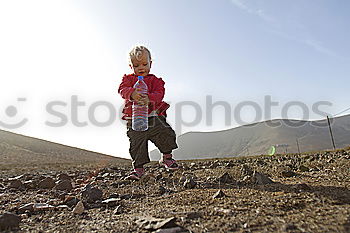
140,77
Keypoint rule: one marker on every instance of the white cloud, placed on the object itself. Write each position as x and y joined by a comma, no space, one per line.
318,46
258,12
312,43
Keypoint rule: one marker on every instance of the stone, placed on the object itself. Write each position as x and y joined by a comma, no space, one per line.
125,196
219,194
288,173
63,176
91,194
260,179
79,208
114,195
189,183
16,178
111,202
225,178
193,215
16,184
172,230
64,185
42,207
150,223
35,207
29,184
229,164
105,175
71,201
303,168
213,165
46,183
62,207
26,207
9,221
117,210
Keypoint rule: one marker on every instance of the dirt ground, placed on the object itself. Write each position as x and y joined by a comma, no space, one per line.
280,193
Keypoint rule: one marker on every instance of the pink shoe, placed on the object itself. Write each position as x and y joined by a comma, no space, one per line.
136,174
168,162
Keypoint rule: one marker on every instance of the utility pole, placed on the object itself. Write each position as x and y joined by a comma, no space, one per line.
298,146
330,131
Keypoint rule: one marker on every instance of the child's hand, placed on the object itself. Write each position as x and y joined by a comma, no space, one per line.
136,95
144,100
141,99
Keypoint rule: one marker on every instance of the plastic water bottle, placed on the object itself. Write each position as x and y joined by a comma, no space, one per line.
140,112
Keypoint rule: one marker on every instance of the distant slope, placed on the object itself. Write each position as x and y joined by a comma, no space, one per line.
257,138
16,149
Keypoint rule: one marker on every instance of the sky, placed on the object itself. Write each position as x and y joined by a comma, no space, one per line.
222,61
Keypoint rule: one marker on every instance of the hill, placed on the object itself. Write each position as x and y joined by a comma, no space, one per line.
23,151
257,138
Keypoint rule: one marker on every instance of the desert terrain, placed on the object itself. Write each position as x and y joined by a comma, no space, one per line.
309,192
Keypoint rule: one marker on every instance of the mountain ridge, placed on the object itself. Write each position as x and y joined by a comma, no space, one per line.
257,138
20,150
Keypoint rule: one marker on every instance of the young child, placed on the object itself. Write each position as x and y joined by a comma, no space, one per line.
159,131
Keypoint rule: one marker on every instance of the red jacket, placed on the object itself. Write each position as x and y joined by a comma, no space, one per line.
156,92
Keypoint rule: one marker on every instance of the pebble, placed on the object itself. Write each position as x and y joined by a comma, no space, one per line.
117,210
225,178
16,184
111,202
9,221
172,230
91,194
46,183
64,185
288,173
114,195
193,215
151,223
63,176
219,194
70,201
260,179
189,183
35,207
30,184
303,168
79,208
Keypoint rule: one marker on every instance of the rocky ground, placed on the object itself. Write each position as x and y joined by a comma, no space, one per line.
280,193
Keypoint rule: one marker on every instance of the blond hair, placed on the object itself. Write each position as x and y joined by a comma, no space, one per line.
137,52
